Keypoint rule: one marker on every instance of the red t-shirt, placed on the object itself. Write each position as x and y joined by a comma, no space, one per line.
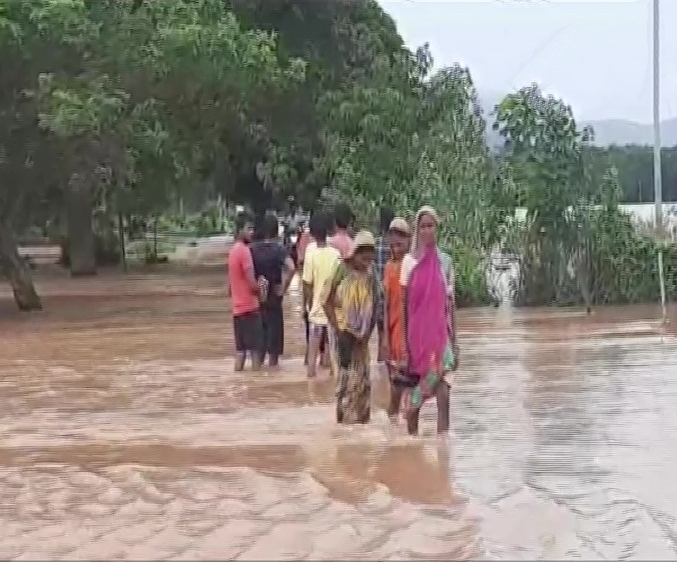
240,266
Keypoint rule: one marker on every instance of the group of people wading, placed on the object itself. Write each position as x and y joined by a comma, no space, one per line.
400,284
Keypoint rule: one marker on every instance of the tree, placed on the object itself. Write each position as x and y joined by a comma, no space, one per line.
126,95
194,76
544,151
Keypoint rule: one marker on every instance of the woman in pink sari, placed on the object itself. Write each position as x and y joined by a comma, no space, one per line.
429,322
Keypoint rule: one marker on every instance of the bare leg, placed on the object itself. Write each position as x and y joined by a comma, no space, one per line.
325,361
412,421
239,360
394,406
442,396
395,398
331,348
257,360
313,350
307,327
339,409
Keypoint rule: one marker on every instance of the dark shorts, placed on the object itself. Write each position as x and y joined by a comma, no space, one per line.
273,329
248,331
317,330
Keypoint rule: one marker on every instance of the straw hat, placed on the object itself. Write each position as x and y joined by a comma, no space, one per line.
362,239
400,225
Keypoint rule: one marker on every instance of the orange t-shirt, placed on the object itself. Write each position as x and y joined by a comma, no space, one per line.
394,294
240,264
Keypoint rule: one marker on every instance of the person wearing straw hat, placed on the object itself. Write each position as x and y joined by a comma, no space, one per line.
351,301
430,330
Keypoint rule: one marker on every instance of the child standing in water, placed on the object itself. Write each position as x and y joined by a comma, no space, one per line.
321,261
394,345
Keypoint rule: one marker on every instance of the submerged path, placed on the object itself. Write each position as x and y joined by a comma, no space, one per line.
127,435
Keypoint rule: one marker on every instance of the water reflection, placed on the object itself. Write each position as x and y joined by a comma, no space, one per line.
126,434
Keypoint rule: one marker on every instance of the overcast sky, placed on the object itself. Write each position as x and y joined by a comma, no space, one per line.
595,54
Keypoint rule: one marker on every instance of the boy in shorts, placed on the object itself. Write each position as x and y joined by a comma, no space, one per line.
320,263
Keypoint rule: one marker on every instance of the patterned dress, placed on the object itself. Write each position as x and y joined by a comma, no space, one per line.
355,301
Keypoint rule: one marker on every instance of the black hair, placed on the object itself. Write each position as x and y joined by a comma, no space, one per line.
386,217
241,220
343,215
271,226
259,233
319,226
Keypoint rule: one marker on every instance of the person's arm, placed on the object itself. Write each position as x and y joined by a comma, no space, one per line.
248,268
307,277
301,246
451,312
451,302
386,343
288,274
287,267
376,290
405,322
329,296
404,282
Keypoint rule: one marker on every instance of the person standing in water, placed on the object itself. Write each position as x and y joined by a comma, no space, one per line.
340,239
351,303
306,242
394,346
430,328
382,257
245,293
272,262
320,263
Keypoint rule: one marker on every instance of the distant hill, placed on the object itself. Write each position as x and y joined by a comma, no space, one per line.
621,132
607,131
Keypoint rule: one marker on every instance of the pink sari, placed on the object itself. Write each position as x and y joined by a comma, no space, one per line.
427,330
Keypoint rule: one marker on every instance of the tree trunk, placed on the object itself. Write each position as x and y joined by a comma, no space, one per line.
155,238
15,269
81,240
121,235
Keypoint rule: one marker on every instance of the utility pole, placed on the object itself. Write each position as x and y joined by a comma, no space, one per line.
657,177
657,173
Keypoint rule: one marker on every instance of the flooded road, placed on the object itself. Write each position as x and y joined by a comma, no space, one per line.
126,435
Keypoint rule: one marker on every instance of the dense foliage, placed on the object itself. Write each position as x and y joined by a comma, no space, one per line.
115,112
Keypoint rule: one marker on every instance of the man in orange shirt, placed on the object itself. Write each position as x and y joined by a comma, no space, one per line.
394,345
245,295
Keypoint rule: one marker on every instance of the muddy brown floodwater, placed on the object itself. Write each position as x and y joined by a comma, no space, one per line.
127,435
